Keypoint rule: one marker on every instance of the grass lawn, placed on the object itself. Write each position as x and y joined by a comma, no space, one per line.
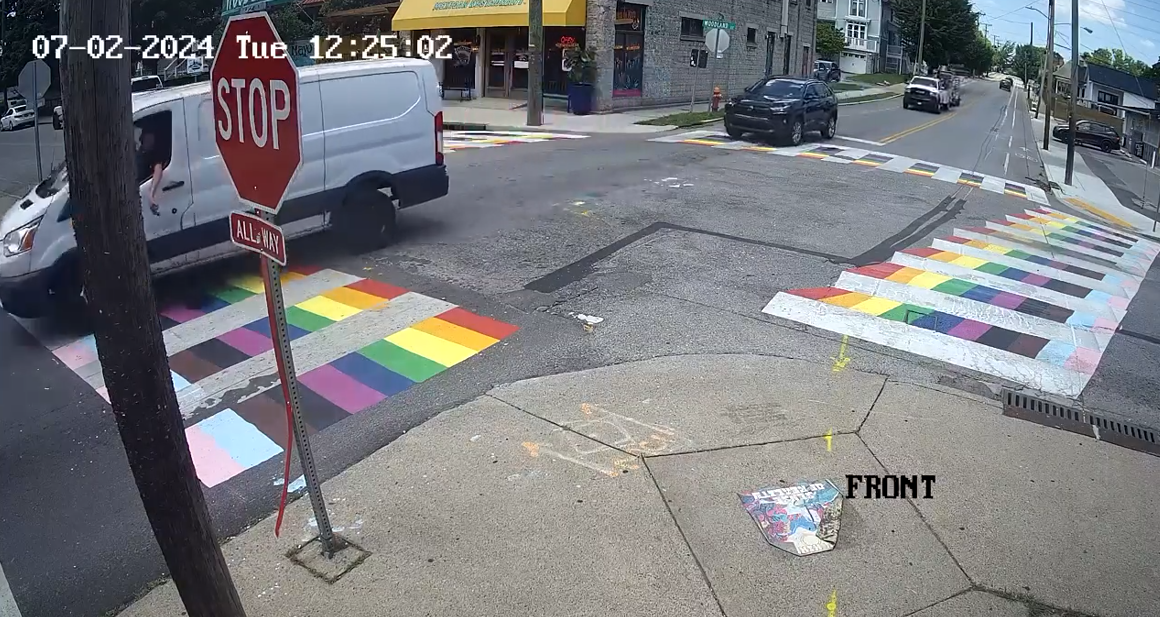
684,118
869,97
845,85
874,78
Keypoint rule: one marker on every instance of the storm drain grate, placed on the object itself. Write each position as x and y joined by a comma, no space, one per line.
1034,409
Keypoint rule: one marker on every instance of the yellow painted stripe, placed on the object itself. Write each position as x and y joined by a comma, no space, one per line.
250,282
875,305
904,275
288,276
325,307
701,142
927,280
968,261
354,298
867,163
995,248
970,182
1016,193
846,300
944,257
455,333
431,347
813,155
919,172
759,148
1100,213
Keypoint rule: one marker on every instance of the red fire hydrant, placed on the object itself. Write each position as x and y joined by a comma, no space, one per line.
716,97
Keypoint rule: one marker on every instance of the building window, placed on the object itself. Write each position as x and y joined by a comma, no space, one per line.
751,36
858,8
692,28
856,34
628,50
1106,97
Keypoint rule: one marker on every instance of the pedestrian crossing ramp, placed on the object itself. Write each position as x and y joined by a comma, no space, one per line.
1033,299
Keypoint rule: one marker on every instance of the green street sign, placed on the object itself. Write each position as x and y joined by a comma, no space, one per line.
720,25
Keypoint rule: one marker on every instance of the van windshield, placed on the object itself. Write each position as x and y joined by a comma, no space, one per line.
55,182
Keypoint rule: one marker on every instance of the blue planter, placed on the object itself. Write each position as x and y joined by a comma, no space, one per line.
580,99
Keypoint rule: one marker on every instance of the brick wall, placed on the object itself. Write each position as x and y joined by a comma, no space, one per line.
668,78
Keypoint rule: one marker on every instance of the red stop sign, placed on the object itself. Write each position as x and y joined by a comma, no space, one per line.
255,110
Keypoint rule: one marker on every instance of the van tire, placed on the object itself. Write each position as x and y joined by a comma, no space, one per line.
366,220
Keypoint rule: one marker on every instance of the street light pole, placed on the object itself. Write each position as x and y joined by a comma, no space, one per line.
536,63
1069,170
921,37
1047,95
1026,67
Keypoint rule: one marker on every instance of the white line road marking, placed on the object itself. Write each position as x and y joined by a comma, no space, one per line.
8,606
948,174
861,141
1009,140
1013,117
960,352
1006,160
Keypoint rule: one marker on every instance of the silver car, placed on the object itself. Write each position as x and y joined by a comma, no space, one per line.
17,117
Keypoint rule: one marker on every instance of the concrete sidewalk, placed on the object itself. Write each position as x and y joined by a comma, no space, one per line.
505,114
1087,191
613,491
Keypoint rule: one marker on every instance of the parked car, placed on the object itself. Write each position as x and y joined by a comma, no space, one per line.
783,108
373,145
827,71
57,118
145,83
1006,83
926,93
1090,133
17,117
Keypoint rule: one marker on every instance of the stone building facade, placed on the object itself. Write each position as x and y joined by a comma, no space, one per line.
760,45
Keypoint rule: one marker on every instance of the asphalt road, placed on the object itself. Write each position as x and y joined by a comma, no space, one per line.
676,247
18,158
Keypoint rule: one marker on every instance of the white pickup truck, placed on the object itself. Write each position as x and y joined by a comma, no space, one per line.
926,93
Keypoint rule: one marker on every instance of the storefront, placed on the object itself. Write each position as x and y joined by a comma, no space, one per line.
490,51
628,51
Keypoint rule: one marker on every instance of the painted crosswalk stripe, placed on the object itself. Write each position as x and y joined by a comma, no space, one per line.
1086,223
969,301
1012,237
1077,233
1075,228
1094,307
930,343
1076,246
995,241
963,248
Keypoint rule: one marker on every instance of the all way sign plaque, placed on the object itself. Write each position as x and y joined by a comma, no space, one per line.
260,236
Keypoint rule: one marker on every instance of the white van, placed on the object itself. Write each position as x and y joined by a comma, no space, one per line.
378,147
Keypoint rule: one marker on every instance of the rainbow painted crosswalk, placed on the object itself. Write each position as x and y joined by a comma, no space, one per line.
1034,299
356,342
473,140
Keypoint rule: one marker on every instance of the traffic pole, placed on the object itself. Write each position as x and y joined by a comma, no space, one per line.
536,63
275,305
36,127
921,39
713,73
1070,169
1026,68
1048,94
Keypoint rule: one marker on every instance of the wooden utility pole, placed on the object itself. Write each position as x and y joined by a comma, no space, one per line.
110,233
1047,95
921,39
1074,93
536,63
1027,66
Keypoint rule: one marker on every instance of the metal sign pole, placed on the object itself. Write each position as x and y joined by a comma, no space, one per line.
36,126
713,73
285,357
693,96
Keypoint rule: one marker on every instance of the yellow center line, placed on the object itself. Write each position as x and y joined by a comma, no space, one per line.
923,126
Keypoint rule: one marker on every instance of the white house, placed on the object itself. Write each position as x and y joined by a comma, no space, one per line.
861,21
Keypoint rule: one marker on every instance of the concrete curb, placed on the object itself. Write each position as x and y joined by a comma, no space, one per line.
885,98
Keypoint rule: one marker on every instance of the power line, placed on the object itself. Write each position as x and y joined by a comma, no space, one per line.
1028,5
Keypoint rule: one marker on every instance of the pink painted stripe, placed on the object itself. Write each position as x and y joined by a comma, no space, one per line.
1105,325
247,341
77,353
213,464
1118,302
103,392
341,389
1083,360
181,314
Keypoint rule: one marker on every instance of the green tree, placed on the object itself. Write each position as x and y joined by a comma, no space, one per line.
1027,62
1152,73
979,55
951,28
1004,56
31,18
829,40
1116,59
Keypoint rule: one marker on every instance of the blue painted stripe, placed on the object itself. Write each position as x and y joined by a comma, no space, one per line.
248,446
262,326
1081,320
210,304
372,374
179,383
1098,296
1055,352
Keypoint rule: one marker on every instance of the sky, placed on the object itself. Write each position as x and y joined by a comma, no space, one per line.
1131,25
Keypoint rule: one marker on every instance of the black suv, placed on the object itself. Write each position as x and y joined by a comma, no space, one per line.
783,108
1005,83
1095,134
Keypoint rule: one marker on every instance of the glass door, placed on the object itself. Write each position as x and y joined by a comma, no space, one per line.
520,55
497,65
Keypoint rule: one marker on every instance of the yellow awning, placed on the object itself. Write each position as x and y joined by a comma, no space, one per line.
445,14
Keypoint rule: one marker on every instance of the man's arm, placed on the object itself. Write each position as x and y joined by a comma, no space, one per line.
158,168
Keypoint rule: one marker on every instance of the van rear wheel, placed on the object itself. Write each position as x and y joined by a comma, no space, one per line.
366,221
